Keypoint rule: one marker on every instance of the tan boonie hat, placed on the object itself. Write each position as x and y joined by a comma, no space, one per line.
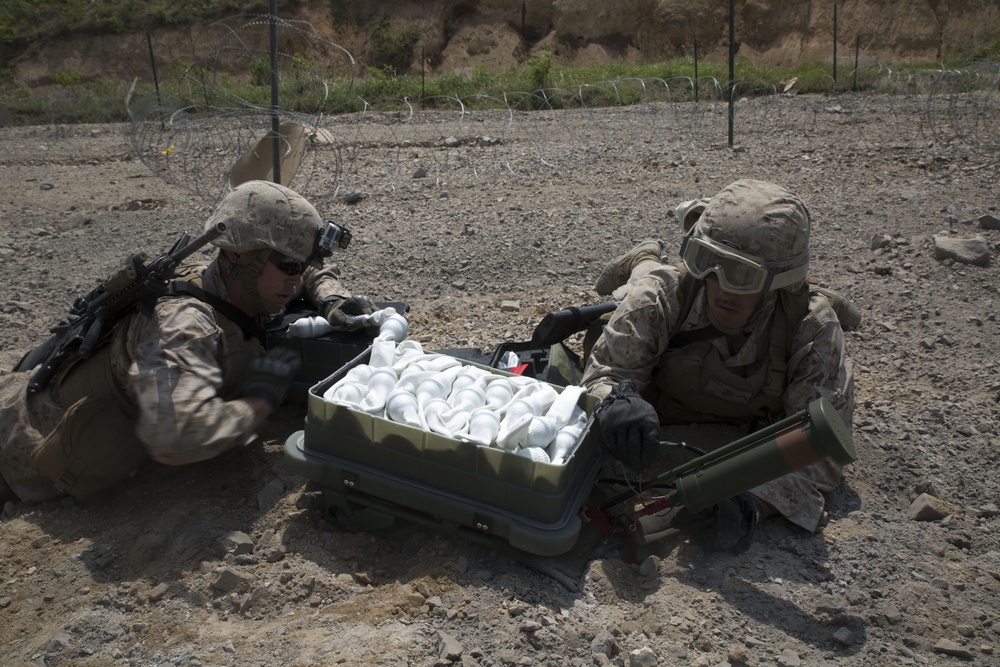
259,214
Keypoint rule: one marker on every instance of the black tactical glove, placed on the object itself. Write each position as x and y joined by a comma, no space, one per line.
630,426
271,375
343,313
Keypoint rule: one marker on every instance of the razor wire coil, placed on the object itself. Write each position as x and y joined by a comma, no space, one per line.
193,139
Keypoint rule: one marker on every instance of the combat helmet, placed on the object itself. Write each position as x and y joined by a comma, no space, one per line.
260,214
753,237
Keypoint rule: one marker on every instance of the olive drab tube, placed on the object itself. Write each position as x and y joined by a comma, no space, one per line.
788,445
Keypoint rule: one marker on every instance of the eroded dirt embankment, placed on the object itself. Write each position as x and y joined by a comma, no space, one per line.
459,35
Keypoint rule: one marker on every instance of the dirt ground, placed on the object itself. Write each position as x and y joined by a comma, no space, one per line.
143,577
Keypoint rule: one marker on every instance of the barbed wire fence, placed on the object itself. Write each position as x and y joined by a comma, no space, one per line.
453,141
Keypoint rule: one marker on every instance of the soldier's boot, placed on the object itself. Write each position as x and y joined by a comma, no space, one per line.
688,212
618,271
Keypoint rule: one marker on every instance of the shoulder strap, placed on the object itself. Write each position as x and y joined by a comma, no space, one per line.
687,289
250,328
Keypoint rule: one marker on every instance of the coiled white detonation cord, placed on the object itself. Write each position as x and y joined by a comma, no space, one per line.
437,393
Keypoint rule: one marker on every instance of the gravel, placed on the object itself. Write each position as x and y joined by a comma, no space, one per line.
230,562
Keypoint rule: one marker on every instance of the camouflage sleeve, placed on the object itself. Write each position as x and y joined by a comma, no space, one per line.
819,366
635,336
175,378
323,283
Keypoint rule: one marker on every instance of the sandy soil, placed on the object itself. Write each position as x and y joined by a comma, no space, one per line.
142,577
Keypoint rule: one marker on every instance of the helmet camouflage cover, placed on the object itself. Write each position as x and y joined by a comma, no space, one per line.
758,218
753,236
260,214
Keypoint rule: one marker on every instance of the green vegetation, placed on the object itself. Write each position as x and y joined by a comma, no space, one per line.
25,22
539,85
391,49
386,80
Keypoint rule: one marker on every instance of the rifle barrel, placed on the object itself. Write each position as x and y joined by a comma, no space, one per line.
198,242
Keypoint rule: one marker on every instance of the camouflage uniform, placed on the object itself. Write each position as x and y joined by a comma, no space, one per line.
178,374
635,345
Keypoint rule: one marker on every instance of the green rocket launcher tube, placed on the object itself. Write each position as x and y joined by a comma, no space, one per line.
785,446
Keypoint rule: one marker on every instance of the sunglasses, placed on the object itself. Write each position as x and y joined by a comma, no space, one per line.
287,265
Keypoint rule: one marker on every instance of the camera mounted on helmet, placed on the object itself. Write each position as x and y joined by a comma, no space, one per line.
333,235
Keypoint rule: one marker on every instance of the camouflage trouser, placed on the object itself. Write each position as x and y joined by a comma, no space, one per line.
24,422
798,496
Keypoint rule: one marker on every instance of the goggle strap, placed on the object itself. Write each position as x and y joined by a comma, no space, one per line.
790,277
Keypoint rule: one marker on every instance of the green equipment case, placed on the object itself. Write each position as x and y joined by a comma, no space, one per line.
374,471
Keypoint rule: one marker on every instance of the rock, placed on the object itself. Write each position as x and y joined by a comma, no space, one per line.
449,648
965,251
789,658
989,222
987,511
830,604
891,613
604,644
58,642
948,647
529,626
352,196
269,495
650,566
642,657
237,543
412,598
928,508
844,636
157,592
274,553
229,580
420,172
452,142
880,241
738,655
510,306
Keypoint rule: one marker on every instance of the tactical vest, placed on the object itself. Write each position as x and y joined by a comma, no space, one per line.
691,382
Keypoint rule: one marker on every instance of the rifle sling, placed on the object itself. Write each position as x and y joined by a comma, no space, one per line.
250,328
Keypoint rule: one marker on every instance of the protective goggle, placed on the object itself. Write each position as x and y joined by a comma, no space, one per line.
738,272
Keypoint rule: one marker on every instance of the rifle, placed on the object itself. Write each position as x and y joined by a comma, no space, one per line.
133,285
561,324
